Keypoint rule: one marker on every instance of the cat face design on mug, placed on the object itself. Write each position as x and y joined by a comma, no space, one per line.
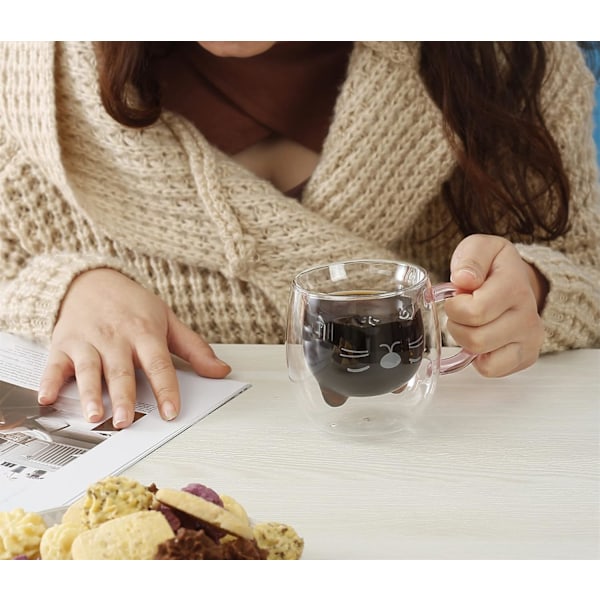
388,355
364,355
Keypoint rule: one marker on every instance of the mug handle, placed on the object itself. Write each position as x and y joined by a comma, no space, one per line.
463,358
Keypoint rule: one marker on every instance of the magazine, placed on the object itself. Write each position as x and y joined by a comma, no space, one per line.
49,455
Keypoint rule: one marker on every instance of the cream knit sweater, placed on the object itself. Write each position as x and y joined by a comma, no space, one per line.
219,245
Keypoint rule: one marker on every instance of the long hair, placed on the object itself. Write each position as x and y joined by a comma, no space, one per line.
509,178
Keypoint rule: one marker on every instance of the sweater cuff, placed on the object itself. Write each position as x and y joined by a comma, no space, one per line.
29,304
571,311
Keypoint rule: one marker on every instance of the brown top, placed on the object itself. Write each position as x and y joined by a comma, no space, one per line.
288,91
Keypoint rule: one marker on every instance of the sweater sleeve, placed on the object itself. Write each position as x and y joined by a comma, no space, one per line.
30,302
34,277
571,263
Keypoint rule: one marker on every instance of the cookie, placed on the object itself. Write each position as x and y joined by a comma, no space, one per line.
279,540
204,511
20,534
135,536
74,513
236,508
114,497
57,541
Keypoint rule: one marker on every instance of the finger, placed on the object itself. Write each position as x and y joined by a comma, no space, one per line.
511,326
472,260
485,304
59,368
188,345
119,373
505,361
489,302
88,374
155,360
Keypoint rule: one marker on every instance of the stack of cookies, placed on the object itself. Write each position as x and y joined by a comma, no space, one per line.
121,519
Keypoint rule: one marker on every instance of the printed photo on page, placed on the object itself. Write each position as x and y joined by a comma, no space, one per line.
50,454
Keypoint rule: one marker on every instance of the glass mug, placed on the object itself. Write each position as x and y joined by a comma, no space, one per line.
363,344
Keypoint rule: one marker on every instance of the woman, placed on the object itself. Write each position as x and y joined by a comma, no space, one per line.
150,197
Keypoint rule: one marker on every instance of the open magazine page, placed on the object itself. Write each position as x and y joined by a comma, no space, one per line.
50,454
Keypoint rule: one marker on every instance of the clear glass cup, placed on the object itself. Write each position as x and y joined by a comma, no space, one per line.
363,344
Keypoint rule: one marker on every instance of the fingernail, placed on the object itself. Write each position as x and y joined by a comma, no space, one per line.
168,411
42,397
92,413
120,417
466,270
222,362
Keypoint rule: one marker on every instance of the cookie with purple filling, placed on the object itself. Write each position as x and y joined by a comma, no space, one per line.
205,511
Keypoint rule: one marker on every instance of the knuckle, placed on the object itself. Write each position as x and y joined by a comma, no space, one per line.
89,392
86,366
120,400
474,264
117,372
140,325
52,368
158,365
106,330
164,393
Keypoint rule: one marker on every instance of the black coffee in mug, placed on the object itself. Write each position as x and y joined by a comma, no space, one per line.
366,352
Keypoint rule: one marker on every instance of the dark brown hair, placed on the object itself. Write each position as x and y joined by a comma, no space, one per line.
510,178
128,89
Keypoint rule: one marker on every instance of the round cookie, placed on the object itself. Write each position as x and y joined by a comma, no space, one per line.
236,508
74,513
279,540
114,497
135,536
204,511
57,541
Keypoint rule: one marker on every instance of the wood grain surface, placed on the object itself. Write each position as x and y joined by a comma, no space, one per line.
495,469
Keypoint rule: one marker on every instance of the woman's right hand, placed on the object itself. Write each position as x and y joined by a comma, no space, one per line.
109,325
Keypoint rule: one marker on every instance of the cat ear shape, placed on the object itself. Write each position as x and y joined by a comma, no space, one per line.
333,398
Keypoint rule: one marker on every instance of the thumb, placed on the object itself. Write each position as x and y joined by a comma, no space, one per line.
190,346
472,260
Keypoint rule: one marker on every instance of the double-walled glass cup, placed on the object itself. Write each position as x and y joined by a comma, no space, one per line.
363,344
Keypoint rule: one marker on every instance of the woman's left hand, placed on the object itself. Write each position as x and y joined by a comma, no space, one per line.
497,315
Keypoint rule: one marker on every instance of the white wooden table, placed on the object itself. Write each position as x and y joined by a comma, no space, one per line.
498,468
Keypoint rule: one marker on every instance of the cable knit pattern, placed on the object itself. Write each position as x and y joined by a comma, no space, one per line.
79,191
